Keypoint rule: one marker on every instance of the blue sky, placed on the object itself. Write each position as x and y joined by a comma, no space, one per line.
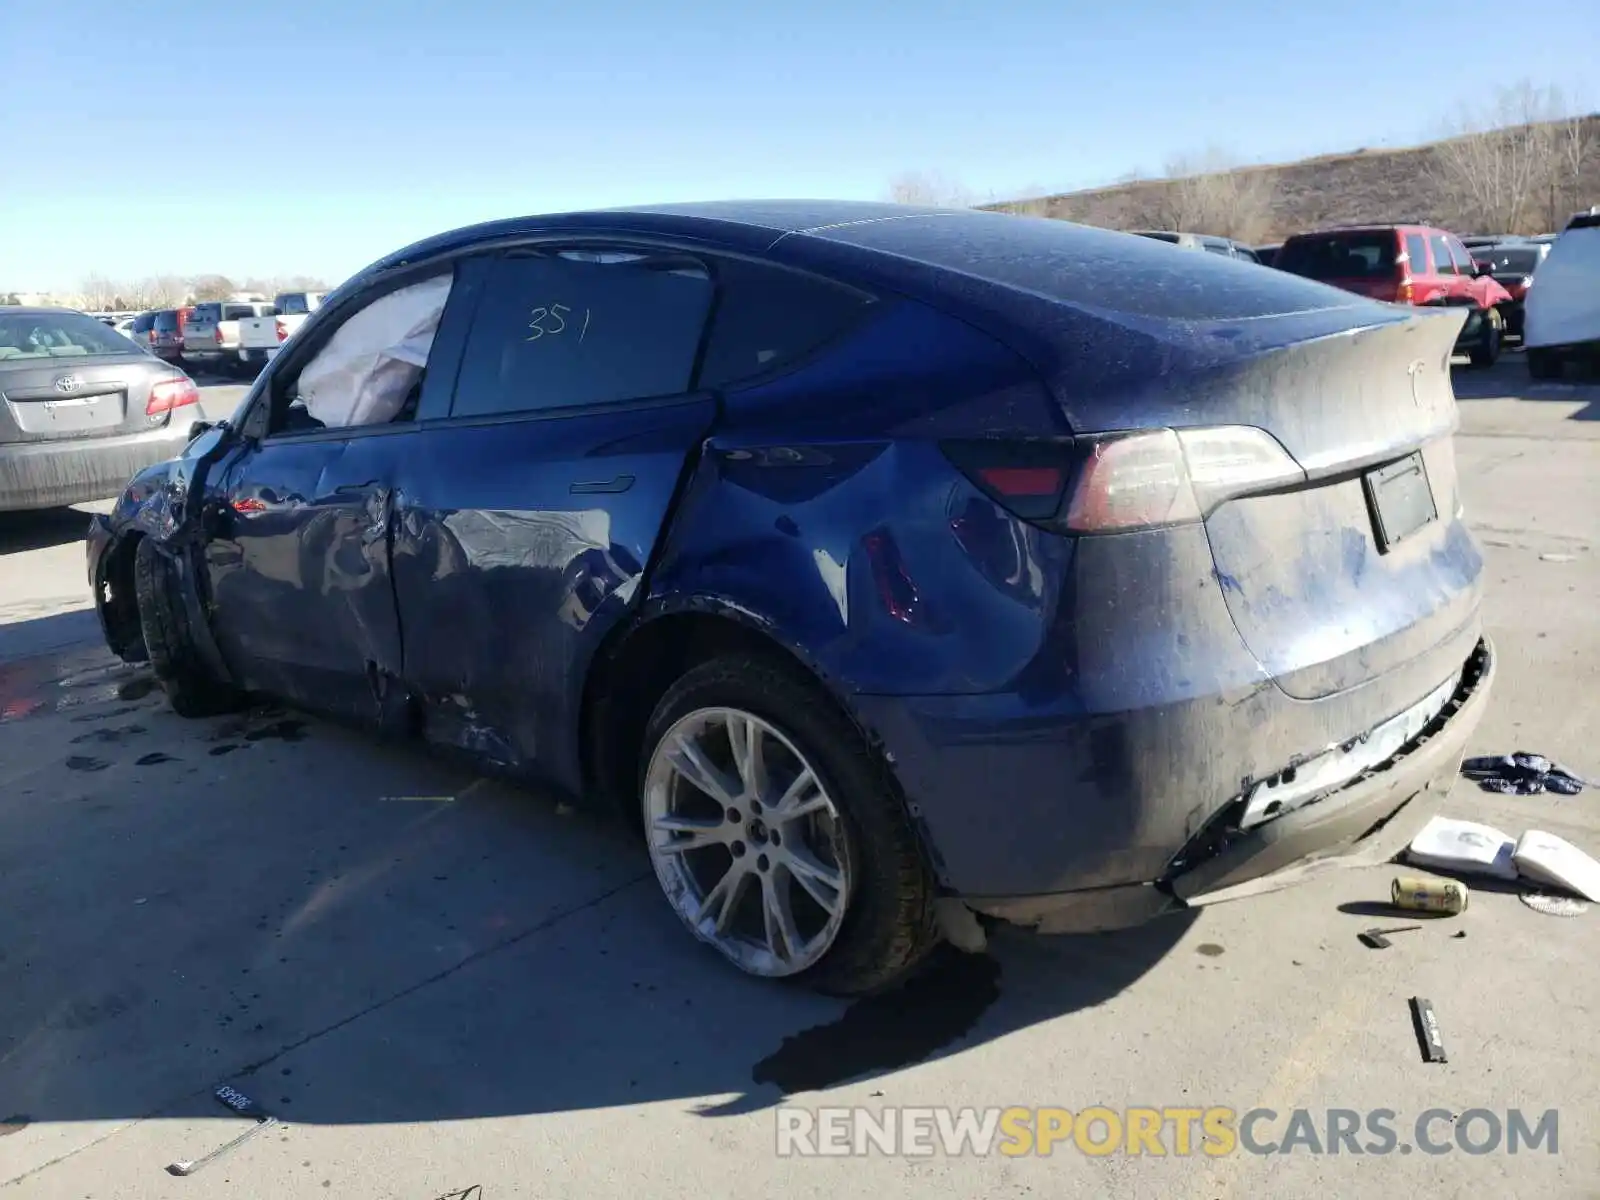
272,137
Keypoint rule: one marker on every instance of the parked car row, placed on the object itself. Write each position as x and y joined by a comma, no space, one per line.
1490,275
224,335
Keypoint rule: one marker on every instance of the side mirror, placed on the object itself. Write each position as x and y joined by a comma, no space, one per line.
198,428
1480,269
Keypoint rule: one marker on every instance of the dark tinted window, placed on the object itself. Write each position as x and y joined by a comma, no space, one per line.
1509,262
1442,264
57,335
145,322
1339,256
167,322
205,313
1461,255
554,330
238,312
294,304
767,317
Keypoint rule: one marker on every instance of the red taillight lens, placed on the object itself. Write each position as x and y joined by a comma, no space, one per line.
283,331
1403,294
170,394
1027,479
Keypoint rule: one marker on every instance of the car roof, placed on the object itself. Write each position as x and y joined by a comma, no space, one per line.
37,310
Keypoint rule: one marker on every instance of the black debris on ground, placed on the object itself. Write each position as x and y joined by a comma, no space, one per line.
1521,774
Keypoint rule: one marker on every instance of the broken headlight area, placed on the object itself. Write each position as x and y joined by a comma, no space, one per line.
1323,777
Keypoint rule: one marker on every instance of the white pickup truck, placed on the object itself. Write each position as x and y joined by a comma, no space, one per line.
211,334
260,337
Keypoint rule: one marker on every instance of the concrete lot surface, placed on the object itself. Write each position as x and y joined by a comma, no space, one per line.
436,982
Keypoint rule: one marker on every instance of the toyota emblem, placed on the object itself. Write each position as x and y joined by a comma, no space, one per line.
68,383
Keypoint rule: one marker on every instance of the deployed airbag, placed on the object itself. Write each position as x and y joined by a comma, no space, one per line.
369,366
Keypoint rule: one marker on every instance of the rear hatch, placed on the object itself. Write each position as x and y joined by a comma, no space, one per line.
1333,517
201,332
64,375
1361,261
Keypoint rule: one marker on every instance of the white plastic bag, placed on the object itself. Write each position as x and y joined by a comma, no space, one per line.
364,373
1464,847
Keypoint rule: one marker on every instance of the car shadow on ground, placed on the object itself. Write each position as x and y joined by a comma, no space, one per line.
351,933
39,529
1509,380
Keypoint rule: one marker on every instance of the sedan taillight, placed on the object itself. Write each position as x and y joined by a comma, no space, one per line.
283,331
170,394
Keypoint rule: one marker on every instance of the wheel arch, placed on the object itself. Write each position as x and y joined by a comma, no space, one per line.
642,659
116,597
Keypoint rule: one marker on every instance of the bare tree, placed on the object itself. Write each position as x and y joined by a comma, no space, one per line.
933,189
1210,193
1496,174
97,293
211,287
1575,141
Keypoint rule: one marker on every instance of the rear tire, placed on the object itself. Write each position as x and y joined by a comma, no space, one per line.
1487,353
191,688
1542,364
888,922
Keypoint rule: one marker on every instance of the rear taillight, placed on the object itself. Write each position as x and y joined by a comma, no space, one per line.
170,394
1404,294
1126,481
283,331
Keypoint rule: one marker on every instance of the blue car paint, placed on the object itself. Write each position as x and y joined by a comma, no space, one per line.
1062,713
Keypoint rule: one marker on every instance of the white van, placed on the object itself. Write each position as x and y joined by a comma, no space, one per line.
1562,311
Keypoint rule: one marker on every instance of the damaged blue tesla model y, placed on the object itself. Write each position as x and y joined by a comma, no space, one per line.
888,566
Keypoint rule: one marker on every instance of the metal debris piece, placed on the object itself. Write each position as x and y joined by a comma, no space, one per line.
1427,1027
238,1102
1375,937
1552,905
189,1167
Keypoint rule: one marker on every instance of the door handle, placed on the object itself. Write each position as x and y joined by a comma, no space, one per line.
620,484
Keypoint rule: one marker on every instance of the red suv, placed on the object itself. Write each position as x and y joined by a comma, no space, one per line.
1406,264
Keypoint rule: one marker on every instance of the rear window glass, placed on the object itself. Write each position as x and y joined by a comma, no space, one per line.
238,312
57,335
295,304
1508,262
205,312
559,330
1339,256
167,322
768,317
144,322
1093,268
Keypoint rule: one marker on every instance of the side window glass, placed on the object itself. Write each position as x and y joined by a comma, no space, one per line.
1417,253
558,329
370,371
1441,255
1463,259
768,317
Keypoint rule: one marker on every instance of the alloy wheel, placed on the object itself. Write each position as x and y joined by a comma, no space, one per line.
748,845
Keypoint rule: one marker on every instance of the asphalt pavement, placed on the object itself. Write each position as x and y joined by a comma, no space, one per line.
436,982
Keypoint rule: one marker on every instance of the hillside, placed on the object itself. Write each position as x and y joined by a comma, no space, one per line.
1428,183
